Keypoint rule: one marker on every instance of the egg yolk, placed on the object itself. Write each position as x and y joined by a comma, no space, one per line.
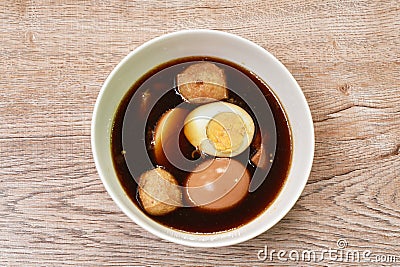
226,131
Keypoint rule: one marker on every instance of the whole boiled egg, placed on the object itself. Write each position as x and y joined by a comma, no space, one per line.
220,129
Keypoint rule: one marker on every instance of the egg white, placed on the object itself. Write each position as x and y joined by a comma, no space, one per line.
196,123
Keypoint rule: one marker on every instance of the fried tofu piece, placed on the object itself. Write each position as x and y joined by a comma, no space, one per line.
202,83
159,192
260,159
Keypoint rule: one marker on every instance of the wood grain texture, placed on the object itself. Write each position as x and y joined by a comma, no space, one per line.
55,56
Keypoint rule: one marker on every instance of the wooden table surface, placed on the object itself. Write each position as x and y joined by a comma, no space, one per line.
55,55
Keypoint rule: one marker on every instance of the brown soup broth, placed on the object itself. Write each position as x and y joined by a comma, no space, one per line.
153,95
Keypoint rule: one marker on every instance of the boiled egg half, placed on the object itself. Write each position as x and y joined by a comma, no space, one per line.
220,129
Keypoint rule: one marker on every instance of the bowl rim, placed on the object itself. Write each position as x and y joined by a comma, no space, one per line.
154,227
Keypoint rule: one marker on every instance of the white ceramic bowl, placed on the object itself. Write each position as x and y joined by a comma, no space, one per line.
221,45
